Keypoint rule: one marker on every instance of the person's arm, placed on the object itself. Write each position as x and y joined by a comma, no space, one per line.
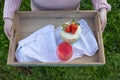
99,4
10,6
103,7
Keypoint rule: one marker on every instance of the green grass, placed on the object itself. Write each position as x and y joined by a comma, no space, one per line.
109,71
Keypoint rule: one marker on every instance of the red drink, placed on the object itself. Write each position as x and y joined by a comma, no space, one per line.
64,51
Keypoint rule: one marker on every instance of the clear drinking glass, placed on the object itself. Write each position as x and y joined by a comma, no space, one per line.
64,51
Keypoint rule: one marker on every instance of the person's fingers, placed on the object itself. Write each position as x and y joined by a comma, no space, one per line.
103,25
7,28
103,18
7,32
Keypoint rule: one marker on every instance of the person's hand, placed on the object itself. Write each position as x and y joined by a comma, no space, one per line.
7,27
103,18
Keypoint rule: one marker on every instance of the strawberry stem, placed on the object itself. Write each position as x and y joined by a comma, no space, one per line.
73,20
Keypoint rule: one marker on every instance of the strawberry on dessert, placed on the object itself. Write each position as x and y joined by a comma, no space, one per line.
71,31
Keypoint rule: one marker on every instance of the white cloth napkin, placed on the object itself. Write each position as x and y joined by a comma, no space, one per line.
41,45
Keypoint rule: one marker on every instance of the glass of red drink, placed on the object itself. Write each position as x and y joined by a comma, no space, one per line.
64,51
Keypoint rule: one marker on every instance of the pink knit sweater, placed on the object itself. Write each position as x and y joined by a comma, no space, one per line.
13,5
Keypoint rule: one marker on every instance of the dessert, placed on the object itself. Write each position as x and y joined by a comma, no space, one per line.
64,51
70,31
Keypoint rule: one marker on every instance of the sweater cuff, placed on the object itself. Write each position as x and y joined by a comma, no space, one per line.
103,5
98,4
8,15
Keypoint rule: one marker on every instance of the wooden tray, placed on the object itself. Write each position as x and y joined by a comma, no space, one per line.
26,22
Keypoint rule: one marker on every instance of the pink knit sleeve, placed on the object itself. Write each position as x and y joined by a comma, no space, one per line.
10,6
98,4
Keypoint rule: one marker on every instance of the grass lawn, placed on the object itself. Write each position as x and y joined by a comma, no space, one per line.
109,71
